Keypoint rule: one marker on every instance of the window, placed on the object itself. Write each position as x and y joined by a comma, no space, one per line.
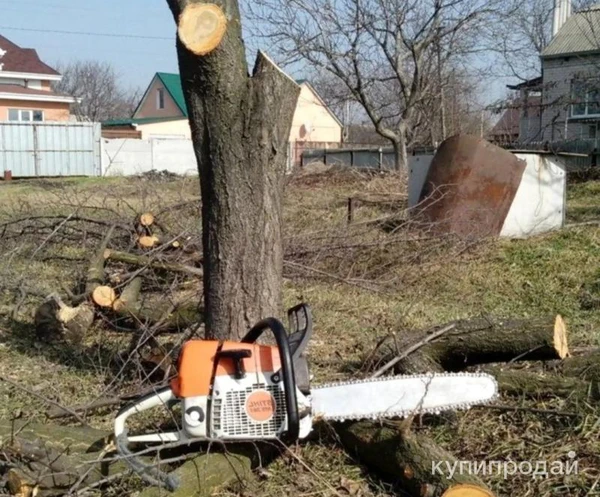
25,115
585,95
160,98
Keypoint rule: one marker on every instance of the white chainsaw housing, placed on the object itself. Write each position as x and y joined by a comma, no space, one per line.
229,418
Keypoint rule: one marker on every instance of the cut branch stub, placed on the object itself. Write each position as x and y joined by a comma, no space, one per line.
202,27
104,296
147,219
467,491
561,343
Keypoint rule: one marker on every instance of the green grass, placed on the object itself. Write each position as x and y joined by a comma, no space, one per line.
423,284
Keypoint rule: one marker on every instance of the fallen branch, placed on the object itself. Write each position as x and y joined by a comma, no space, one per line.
146,261
486,340
406,458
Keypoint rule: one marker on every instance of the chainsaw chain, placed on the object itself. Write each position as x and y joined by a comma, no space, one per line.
403,413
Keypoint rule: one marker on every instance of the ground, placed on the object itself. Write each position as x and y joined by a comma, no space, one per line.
363,283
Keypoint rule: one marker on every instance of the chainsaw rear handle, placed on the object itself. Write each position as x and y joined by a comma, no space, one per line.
287,371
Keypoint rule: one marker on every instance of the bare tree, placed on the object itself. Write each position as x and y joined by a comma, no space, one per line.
385,52
96,84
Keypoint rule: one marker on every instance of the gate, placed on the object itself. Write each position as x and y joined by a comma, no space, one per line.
50,149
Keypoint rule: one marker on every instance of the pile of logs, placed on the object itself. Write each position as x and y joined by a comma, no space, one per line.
114,282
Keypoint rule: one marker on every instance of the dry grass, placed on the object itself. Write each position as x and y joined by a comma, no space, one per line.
417,283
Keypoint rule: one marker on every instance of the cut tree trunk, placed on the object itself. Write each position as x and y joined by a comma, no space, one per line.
202,475
104,296
537,385
146,261
168,316
68,451
585,367
54,320
129,296
95,274
481,341
406,458
240,128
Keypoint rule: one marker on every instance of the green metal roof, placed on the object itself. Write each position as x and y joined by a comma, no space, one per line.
172,83
578,35
145,120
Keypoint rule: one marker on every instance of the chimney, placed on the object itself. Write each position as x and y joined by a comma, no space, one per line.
562,11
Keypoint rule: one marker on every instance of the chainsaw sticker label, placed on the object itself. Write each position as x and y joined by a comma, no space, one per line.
260,406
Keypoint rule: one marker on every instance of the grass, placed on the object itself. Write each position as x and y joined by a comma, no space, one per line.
424,283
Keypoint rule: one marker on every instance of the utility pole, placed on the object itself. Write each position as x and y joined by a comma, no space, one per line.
441,85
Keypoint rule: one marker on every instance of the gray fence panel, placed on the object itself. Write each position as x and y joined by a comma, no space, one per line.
50,149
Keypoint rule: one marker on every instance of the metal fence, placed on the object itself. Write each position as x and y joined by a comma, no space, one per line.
362,158
382,158
50,149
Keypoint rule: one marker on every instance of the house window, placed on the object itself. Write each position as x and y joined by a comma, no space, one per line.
25,115
160,98
585,96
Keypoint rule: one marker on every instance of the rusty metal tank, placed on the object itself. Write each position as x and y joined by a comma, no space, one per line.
469,187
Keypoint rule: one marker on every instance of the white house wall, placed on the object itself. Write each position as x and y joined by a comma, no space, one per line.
539,204
313,121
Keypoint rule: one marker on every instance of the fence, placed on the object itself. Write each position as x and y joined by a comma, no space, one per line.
127,157
363,158
50,149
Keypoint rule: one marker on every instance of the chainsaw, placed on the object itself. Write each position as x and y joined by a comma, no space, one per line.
245,391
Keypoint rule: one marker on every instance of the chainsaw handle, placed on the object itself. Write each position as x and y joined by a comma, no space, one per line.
287,370
148,473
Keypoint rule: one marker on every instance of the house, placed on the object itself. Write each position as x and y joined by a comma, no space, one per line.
25,87
162,113
563,105
506,130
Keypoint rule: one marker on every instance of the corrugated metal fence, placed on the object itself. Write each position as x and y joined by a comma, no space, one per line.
50,149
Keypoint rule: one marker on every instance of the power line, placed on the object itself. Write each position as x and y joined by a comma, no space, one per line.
85,33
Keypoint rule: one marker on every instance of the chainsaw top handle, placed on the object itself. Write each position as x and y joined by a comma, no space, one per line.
287,371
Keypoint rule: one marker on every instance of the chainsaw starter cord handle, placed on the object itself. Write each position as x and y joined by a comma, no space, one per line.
287,370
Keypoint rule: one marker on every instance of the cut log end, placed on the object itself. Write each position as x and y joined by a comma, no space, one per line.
202,27
104,296
147,219
18,487
467,491
560,338
148,242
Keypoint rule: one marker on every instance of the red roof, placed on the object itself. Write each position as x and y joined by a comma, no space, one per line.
17,59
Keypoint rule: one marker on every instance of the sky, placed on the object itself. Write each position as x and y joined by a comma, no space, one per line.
136,36
135,59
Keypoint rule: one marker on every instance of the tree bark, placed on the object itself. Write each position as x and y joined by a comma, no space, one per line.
480,341
240,128
406,458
